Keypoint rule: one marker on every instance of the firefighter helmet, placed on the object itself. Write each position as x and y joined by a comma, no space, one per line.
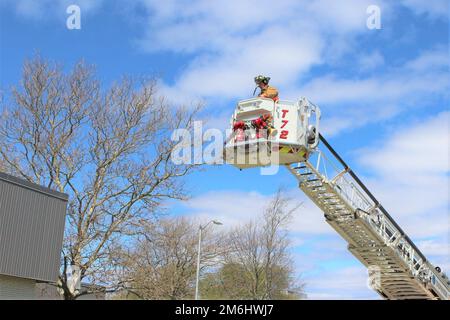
263,79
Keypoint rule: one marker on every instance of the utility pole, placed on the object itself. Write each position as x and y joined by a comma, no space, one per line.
200,229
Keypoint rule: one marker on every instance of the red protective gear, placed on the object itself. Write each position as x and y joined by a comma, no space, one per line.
259,123
239,125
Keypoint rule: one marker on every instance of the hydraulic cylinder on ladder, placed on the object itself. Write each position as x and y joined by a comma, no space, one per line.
287,133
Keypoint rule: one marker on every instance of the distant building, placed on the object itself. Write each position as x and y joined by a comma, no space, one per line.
32,221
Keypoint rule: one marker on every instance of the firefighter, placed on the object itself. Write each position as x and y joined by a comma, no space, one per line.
266,91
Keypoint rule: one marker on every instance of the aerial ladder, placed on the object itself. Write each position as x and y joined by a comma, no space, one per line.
264,132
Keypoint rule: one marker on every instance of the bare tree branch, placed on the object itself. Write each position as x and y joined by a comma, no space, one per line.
108,149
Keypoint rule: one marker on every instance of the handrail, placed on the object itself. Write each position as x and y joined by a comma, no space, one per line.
371,196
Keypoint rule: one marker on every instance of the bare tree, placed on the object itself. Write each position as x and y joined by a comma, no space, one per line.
108,149
161,264
258,264
275,242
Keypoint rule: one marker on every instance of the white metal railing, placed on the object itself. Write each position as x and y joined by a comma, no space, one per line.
348,189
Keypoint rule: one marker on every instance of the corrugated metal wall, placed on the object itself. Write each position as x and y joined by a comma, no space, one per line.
32,222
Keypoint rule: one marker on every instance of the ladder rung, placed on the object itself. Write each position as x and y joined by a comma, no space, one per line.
365,236
313,185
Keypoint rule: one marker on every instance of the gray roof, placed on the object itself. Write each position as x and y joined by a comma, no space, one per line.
32,221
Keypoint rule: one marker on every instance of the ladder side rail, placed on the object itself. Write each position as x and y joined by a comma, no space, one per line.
377,203
302,172
349,186
399,242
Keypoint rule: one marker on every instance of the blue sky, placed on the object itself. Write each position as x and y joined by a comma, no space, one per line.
384,96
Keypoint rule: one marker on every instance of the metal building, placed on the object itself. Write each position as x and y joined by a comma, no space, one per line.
32,221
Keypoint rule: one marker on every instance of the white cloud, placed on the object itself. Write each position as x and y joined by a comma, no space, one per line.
228,44
43,9
435,248
432,8
410,178
349,103
414,151
436,59
235,207
342,16
205,25
232,208
308,231
329,270
235,41
371,61
343,283
425,74
331,126
239,39
437,251
354,115
229,75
